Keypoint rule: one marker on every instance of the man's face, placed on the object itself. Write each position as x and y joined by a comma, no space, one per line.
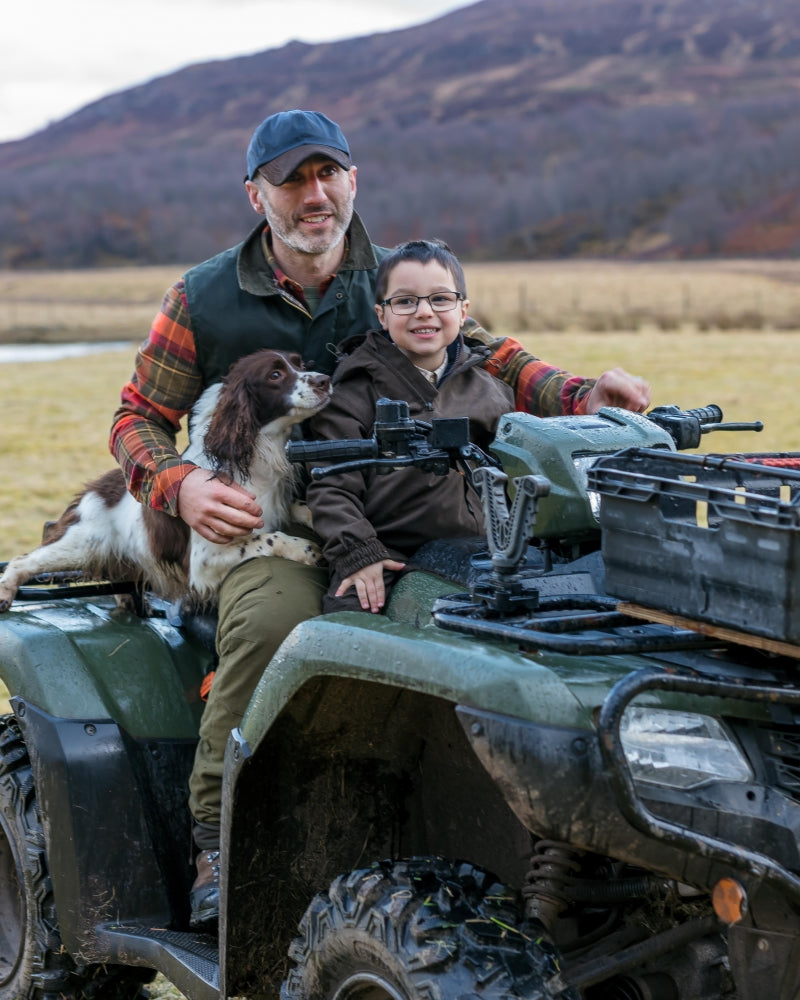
311,210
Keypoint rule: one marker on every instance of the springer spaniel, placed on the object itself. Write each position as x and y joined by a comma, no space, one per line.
239,428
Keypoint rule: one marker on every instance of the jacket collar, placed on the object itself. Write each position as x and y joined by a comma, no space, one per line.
355,353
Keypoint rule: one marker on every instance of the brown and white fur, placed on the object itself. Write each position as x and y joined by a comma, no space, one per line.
238,428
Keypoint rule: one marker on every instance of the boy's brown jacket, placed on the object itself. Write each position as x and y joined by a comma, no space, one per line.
363,517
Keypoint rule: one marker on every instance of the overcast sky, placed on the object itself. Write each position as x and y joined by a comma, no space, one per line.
57,56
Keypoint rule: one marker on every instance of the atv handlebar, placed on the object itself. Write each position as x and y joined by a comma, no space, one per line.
686,427
398,441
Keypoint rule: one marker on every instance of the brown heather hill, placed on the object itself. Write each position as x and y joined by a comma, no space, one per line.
511,128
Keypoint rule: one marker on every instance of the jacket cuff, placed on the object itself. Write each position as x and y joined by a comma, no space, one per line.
165,486
581,397
359,557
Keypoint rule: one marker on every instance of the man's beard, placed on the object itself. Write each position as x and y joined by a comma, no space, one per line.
313,244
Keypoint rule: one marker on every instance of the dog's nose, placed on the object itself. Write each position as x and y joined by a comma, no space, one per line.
319,381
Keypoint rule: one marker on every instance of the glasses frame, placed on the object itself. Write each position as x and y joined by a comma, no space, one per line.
420,298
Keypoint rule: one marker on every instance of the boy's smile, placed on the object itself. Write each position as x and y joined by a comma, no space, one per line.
424,335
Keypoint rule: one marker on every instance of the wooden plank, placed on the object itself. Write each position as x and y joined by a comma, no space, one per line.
706,628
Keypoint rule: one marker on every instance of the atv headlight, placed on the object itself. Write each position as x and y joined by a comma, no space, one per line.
680,749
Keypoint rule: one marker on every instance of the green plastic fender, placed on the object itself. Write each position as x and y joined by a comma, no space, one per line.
404,649
89,659
427,659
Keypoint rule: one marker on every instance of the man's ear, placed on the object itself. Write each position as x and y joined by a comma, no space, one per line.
255,197
381,312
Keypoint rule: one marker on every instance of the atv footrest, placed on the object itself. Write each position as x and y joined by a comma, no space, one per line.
189,961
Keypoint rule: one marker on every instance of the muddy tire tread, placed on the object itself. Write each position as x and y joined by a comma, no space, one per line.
436,929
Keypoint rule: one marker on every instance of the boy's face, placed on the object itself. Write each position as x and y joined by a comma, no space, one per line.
423,335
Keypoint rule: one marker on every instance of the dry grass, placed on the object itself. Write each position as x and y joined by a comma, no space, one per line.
57,416
162,989
752,375
57,306
606,295
118,303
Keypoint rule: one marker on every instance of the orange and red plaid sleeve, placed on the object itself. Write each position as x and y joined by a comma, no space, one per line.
163,388
539,388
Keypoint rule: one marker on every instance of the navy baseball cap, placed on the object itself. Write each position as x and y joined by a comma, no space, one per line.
282,141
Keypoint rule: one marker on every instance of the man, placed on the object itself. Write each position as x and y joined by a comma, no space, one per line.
302,281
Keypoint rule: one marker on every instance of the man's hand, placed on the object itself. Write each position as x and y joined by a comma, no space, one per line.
618,388
369,584
216,507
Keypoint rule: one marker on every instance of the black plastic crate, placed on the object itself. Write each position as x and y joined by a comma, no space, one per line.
710,537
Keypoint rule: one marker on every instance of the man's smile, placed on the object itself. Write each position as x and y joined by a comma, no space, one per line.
315,220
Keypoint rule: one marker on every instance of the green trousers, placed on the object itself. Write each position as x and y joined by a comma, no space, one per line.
261,601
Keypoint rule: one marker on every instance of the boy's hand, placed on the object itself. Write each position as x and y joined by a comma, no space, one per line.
368,582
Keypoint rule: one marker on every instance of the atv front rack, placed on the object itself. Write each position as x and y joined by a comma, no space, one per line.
574,624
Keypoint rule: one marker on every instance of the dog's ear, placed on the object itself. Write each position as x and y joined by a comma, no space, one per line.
295,361
233,429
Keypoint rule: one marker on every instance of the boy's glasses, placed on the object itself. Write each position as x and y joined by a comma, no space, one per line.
405,305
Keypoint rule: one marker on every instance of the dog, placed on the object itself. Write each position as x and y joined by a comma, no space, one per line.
239,429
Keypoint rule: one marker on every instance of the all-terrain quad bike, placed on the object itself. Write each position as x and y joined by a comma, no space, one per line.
565,763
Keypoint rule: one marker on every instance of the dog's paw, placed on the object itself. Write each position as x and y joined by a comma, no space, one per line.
314,556
300,512
6,599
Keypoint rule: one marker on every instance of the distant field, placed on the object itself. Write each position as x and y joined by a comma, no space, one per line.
601,295
59,306
57,414
595,296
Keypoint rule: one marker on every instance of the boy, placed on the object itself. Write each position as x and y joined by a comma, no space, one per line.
371,524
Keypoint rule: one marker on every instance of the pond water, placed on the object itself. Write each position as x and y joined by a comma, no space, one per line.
55,352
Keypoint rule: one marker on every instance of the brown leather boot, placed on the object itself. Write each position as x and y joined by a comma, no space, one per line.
204,895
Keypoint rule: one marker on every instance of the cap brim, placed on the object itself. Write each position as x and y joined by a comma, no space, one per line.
276,171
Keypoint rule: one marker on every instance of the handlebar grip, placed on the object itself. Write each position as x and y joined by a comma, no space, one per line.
710,414
331,451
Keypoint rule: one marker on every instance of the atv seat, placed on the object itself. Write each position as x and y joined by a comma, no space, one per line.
198,625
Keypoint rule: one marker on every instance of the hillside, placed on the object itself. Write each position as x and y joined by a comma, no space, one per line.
511,128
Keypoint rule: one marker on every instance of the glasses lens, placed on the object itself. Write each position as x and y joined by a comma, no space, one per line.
443,301
405,305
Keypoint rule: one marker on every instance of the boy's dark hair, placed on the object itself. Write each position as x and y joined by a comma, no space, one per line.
423,251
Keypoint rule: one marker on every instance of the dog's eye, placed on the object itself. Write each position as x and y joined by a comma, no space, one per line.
275,374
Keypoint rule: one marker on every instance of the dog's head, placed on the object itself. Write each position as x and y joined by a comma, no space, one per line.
265,390
276,387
